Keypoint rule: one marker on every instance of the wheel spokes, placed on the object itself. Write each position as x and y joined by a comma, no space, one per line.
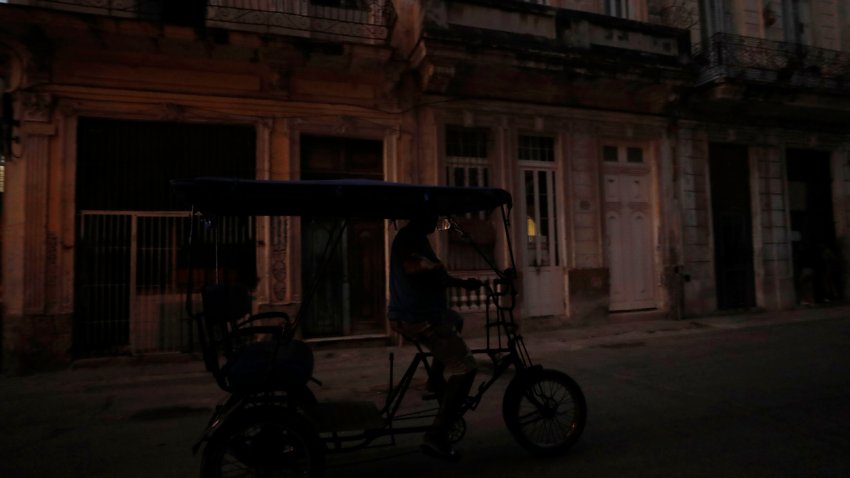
547,413
265,451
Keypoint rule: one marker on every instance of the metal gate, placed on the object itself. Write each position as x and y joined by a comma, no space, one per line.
132,274
128,294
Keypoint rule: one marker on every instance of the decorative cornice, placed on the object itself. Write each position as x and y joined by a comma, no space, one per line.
36,106
436,78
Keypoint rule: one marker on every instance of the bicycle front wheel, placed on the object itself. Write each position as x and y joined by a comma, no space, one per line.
545,411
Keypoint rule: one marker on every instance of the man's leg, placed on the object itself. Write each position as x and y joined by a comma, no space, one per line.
436,441
450,350
436,385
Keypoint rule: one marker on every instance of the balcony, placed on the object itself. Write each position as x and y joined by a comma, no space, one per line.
359,21
759,61
356,20
489,49
524,25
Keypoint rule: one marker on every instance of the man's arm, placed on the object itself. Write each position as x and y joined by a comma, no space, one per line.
425,269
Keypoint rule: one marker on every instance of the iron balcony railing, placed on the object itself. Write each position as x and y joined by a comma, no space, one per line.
766,61
151,10
354,19
367,21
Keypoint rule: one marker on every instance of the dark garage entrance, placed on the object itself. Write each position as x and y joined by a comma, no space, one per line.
733,226
817,264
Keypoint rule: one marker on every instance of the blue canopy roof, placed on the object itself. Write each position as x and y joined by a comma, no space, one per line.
333,198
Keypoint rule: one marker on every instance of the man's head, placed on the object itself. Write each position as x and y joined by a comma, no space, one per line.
424,223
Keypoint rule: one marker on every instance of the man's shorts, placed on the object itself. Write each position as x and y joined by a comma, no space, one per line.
443,340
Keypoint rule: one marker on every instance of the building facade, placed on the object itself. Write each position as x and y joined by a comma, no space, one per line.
672,157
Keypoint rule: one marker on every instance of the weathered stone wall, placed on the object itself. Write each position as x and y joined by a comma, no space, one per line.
774,272
700,295
34,343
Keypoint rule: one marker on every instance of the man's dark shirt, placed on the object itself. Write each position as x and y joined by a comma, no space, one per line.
415,297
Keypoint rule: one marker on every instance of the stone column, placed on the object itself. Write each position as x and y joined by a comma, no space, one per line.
279,260
33,337
589,279
700,294
775,269
36,142
671,222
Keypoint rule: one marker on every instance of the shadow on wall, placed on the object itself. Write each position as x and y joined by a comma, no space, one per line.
589,295
35,343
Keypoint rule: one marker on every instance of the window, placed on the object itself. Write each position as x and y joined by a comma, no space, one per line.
536,155
466,157
617,8
536,148
609,154
623,154
192,13
798,22
467,166
634,155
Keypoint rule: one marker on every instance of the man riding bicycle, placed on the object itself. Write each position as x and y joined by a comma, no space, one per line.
419,310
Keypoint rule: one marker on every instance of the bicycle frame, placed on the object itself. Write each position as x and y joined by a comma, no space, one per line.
504,347
505,340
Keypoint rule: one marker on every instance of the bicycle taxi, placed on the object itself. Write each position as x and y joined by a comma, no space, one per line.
271,423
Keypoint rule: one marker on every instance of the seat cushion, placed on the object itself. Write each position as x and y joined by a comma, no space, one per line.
255,366
226,302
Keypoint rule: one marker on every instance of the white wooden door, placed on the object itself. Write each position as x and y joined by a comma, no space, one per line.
629,237
543,276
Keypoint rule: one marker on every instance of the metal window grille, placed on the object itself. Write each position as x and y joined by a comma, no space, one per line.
132,274
536,148
537,155
467,165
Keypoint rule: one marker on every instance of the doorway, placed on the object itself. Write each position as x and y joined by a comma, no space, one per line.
732,219
543,275
814,247
131,231
629,237
350,294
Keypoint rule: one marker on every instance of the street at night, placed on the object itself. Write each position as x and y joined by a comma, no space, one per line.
727,396
228,228
768,401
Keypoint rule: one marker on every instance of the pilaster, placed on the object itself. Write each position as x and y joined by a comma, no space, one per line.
35,334
34,153
280,234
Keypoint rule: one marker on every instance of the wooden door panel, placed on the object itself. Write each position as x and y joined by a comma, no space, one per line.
629,241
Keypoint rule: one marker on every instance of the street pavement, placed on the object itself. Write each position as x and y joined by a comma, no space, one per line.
759,394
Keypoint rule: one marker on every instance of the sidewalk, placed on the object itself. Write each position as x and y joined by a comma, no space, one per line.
132,386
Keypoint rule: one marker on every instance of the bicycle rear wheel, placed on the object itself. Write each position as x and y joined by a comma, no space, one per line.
264,441
545,411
